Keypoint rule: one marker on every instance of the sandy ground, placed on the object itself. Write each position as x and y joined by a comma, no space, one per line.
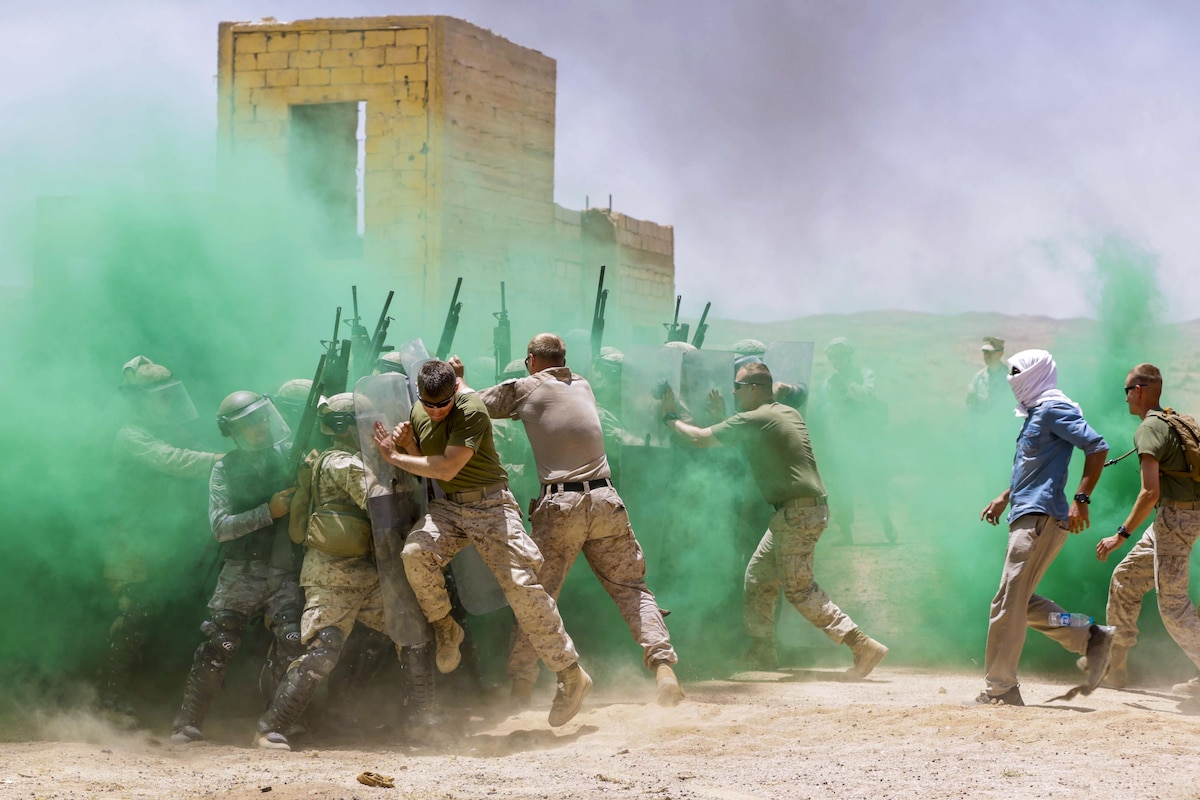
789,734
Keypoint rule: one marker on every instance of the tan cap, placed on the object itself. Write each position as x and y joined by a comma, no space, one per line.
992,345
141,371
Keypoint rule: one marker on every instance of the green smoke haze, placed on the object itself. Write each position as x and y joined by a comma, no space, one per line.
231,289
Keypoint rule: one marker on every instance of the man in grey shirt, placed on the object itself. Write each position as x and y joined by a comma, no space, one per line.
579,509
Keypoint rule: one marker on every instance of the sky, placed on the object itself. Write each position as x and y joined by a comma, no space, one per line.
813,157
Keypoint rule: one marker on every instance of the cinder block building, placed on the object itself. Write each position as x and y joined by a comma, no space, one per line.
427,144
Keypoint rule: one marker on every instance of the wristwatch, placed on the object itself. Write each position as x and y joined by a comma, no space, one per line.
670,416
1122,532
1083,498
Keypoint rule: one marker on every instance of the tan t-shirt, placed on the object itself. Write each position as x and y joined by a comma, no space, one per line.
560,417
467,425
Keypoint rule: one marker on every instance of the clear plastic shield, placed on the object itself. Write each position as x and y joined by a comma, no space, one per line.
412,355
704,371
258,426
791,369
477,588
646,370
395,501
166,403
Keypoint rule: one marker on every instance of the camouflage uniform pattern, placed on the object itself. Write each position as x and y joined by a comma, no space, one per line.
250,586
785,557
1160,561
340,589
493,525
596,523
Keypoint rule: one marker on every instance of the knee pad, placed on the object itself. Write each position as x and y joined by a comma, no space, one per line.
323,651
285,624
224,632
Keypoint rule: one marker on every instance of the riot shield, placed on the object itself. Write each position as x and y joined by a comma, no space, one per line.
645,370
395,501
412,355
791,370
704,371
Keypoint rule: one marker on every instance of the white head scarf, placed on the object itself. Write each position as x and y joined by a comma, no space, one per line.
1036,380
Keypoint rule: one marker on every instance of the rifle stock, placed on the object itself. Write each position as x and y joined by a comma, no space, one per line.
701,327
307,420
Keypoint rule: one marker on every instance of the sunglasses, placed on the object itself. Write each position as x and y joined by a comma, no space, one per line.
1015,371
439,404
1129,389
740,384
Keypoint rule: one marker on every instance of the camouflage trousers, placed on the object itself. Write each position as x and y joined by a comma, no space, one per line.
337,591
493,525
596,523
248,587
784,557
1158,561
1033,542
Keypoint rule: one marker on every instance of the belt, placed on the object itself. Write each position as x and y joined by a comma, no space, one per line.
475,495
575,486
1190,505
802,502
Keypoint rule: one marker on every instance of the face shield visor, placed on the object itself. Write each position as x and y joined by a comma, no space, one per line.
258,426
166,403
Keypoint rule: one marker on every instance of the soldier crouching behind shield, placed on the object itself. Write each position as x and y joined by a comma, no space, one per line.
340,579
155,477
249,494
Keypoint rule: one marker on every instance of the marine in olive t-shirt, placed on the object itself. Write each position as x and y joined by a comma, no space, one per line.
775,441
1154,437
467,425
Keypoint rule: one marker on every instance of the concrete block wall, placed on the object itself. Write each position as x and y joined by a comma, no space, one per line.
459,160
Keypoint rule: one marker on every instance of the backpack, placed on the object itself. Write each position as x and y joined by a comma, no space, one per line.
1188,431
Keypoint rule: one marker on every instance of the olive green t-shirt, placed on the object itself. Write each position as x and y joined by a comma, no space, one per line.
467,425
1154,437
775,441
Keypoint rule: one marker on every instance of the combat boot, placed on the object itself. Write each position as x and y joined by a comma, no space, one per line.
867,654
521,694
449,636
762,655
670,693
573,686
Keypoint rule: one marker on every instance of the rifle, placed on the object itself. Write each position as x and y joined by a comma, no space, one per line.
308,420
380,334
337,359
701,327
501,336
450,326
676,331
358,334
598,316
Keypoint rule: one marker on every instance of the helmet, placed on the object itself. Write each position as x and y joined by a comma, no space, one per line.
389,361
160,398
684,346
294,392
515,369
838,344
749,347
251,420
336,414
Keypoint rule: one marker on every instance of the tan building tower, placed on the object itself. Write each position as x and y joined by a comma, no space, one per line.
425,149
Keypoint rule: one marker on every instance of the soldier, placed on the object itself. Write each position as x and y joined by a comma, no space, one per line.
340,580
249,494
578,509
291,399
775,441
989,387
1160,559
856,419
449,438
154,476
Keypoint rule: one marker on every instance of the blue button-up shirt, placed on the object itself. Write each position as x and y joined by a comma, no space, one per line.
1049,436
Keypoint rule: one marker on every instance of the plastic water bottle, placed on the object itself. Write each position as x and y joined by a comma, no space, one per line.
1065,620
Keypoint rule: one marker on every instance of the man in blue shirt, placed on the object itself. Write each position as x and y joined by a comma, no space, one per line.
1038,523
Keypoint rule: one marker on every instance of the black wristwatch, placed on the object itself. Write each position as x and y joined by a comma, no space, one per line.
1083,498
670,416
1122,532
